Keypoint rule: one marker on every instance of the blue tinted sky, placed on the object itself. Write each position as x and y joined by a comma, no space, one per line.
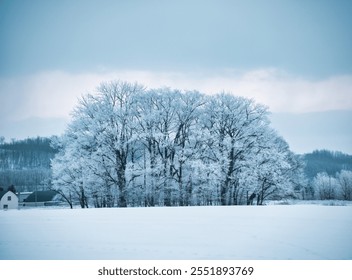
294,56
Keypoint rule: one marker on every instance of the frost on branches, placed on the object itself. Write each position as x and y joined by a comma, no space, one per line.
129,146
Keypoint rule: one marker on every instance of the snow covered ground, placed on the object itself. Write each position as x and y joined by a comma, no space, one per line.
268,232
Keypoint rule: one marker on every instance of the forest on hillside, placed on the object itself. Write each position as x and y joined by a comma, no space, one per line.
26,163
327,161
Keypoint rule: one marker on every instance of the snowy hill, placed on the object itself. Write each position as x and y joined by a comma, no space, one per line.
242,232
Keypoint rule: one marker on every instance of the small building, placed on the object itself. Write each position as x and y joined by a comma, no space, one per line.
8,200
22,196
42,198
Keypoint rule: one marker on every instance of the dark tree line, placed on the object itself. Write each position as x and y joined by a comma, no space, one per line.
326,161
26,163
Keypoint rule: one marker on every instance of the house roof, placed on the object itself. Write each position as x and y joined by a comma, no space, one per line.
41,196
2,193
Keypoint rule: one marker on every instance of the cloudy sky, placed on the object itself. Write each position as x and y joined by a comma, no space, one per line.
294,56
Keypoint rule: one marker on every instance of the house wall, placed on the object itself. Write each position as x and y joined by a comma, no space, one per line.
9,201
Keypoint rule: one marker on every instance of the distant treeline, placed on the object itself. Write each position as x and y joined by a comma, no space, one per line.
326,161
26,163
26,154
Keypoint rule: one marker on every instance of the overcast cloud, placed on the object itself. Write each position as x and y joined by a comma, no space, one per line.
54,94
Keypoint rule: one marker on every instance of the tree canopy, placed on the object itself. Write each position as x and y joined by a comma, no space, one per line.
132,146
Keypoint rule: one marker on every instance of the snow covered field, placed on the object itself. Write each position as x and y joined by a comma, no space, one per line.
267,232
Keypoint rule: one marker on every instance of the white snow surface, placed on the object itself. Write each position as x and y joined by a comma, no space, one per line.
272,232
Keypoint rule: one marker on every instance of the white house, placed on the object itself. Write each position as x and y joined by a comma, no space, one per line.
8,200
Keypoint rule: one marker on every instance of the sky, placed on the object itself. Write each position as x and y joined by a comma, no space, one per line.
293,56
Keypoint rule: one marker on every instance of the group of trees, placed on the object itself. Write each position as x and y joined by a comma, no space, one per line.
327,175
128,146
333,187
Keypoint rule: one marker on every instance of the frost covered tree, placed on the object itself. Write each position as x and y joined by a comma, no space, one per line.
230,123
100,140
325,186
344,179
167,125
114,137
248,156
69,172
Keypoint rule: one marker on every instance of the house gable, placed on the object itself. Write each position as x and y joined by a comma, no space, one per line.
8,200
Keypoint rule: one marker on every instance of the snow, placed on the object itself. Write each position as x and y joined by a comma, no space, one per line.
272,232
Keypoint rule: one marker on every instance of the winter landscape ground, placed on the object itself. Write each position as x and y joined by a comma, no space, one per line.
271,232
